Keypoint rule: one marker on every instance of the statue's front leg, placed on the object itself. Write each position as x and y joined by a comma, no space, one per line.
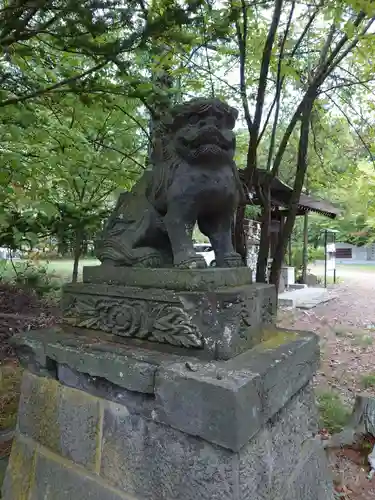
179,223
218,230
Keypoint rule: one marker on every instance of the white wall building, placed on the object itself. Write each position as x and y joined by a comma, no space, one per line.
346,253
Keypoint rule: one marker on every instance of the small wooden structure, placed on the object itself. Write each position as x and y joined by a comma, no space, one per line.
280,198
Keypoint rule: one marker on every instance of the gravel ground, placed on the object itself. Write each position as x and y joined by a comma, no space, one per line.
346,326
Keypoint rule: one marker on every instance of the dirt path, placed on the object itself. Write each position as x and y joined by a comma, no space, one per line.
346,326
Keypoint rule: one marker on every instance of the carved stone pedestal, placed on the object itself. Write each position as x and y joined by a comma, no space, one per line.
103,421
218,313
127,410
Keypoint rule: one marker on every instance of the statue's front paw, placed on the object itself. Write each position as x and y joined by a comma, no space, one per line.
233,260
190,262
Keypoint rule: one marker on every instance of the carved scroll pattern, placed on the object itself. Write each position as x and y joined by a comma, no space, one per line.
141,319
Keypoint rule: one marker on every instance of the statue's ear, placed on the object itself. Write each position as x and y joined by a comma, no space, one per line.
235,114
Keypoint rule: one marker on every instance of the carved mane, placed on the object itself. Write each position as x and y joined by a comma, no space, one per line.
164,157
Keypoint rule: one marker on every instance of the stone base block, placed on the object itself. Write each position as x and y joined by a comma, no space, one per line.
163,427
218,313
127,456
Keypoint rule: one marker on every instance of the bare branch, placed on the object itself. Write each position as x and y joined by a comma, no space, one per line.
126,155
351,124
135,120
346,84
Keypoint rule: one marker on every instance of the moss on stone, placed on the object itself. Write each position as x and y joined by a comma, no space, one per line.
20,471
10,383
49,399
275,338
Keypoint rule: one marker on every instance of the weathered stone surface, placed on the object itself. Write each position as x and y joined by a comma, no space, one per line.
20,471
38,410
60,418
79,421
222,407
60,481
138,458
221,323
169,279
137,402
311,478
225,403
192,179
228,403
270,458
152,461
285,363
125,366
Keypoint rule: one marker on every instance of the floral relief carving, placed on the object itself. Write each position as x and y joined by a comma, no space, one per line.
141,319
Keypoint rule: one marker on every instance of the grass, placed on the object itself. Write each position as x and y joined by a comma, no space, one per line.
61,269
334,414
319,268
363,340
357,267
10,382
368,381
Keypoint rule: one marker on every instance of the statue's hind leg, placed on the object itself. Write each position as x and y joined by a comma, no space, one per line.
218,229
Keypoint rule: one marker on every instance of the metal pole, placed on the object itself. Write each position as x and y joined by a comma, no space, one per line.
334,270
325,258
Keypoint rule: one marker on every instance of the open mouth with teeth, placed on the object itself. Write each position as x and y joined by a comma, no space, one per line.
210,139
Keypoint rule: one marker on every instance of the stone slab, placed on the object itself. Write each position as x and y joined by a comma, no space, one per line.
221,323
297,286
305,298
223,402
227,404
168,278
125,366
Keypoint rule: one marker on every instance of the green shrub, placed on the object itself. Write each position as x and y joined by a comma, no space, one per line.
30,276
368,381
313,254
334,414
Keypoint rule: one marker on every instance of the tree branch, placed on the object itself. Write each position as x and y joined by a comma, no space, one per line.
279,85
126,155
353,127
66,81
242,44
266,58
135,120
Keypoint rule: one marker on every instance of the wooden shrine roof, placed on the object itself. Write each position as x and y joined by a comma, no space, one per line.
281,193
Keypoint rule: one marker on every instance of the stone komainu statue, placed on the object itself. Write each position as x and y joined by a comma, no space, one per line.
192,179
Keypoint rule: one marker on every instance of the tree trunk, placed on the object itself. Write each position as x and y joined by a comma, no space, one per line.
289,251
297,189
239,233
305,246
77,253
264,244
